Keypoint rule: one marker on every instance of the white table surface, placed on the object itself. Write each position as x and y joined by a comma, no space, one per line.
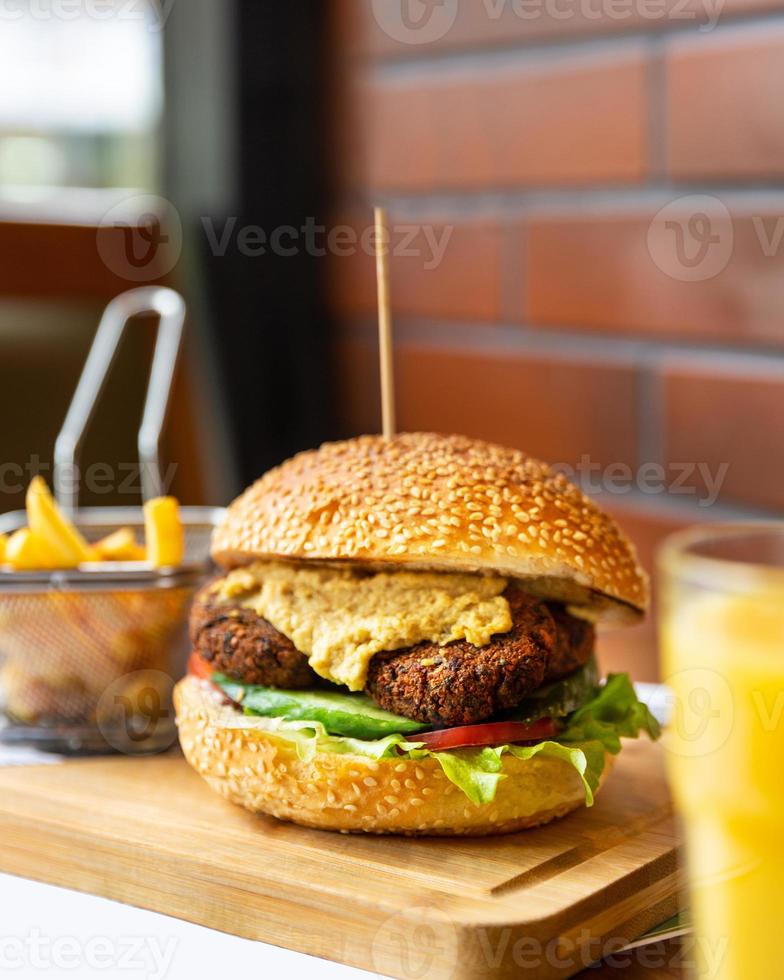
53,932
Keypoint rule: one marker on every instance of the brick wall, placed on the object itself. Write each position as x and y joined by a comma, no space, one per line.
608,179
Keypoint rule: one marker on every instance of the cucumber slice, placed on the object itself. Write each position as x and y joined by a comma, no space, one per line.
352,715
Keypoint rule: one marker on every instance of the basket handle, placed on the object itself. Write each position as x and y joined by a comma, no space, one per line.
170,308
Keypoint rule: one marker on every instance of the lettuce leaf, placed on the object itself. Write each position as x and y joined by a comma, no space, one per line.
592,730
587,758
477,772
309,737
614,712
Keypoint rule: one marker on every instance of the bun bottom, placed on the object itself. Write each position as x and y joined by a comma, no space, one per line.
355,794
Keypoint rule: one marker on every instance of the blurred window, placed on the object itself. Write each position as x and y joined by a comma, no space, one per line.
80,94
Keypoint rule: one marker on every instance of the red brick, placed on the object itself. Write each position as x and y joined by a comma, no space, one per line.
727,417
495,22
636,649
557,410
557,120
464,284
596,272
724,104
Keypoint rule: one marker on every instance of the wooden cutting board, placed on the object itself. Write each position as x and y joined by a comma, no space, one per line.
545,903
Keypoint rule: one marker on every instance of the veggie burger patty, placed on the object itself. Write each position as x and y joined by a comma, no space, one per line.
455,684
238,642
459,684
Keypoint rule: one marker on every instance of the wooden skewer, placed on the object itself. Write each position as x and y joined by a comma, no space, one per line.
385,325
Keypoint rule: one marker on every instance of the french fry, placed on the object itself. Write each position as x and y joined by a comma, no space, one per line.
164,536
23,552
52,527
120,545
27,551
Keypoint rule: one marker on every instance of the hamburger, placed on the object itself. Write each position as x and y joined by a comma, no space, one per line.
402,641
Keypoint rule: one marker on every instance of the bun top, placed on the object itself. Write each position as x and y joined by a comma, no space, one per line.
448,503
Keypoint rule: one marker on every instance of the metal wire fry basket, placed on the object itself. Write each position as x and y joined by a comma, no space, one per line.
88,656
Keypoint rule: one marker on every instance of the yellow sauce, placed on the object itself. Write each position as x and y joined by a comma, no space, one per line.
340,618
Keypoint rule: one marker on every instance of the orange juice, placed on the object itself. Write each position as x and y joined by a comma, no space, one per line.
723,647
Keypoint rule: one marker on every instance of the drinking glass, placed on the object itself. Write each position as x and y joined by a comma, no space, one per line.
722,619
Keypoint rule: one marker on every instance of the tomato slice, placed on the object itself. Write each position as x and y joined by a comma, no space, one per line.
199,667
492,733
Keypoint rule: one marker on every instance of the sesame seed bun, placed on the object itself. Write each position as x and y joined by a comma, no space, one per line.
445,503
356,794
